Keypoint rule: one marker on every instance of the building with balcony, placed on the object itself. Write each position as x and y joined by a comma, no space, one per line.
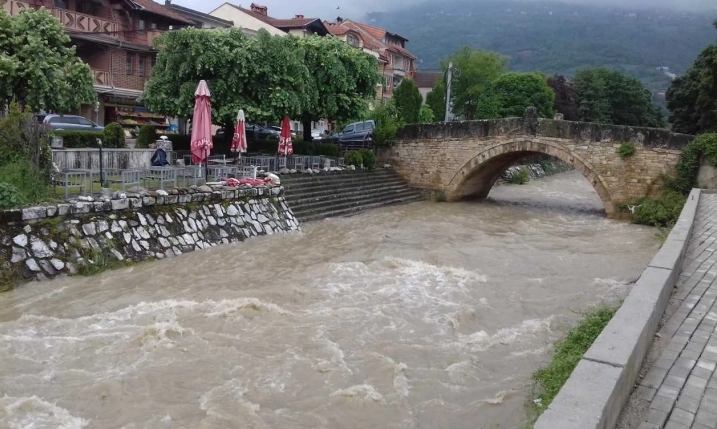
116,39
395,62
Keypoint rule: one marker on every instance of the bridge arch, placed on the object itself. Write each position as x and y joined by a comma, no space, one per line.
478,175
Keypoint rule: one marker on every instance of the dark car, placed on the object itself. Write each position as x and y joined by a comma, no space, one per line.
68,122
356,131
260,132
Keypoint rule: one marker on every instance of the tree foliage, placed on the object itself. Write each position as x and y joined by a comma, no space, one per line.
478,68
268,76
38,67
388,122
408,101
436,100
610,97
567,99
511,93
426,115
692,98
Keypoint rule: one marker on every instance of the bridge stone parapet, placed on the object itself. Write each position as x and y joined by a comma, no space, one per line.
462,160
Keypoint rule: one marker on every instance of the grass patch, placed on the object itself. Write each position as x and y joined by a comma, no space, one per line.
626,150
520,177
662,211
566,356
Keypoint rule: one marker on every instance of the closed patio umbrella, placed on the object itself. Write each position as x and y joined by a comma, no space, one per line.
285,146
239,140
201,143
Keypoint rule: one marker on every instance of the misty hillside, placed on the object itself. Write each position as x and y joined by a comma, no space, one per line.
556,38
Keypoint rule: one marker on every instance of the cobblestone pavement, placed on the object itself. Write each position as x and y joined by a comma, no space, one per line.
682,384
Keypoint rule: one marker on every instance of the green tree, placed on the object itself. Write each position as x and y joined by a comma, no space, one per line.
343,79
478,68
426,115
611,97
514,92
408,101
38,66
436,100
388,122
265,75
692,98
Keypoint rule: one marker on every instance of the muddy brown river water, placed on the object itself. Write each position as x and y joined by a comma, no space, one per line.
428,315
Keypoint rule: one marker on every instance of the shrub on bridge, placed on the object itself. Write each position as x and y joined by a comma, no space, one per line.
626,150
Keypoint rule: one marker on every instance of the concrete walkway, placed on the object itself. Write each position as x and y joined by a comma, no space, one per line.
682,384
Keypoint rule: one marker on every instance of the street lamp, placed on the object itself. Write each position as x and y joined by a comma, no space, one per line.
96,105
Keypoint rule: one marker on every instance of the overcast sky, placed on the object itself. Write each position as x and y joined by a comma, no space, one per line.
330,9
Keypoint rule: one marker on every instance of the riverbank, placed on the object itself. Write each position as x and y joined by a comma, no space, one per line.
426,315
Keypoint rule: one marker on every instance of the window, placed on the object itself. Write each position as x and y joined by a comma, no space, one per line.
129,65
398,62
359,127
85,122
153,25
140,69
349,129
352,40
61,4
141,25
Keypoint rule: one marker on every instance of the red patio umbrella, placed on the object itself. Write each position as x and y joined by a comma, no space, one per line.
285,146
201,143
239,140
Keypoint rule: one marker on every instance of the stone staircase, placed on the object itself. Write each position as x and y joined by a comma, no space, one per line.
324,195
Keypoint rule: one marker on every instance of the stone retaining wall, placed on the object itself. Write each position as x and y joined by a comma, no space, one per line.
44,242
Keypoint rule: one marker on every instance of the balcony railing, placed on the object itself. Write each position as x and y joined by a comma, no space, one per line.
79,22
14,7
101,77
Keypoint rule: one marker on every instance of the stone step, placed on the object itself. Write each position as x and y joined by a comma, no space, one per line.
295,200
305,184
332,175
349,211
334,189
355,202
336,200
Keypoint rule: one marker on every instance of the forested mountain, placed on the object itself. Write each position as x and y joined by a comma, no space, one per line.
556,37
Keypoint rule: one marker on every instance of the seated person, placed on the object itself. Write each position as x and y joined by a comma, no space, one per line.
159,158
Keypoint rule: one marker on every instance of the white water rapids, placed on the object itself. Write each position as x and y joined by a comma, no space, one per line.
429,315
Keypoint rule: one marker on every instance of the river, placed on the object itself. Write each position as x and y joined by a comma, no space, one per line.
428,315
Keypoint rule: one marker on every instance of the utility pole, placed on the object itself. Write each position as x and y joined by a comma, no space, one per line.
448,90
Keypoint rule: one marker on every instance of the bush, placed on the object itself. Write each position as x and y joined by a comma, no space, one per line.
29,181
520,177
10,196
368,158
426,115
353,158
387,124
662,211
113,136
147,135
408,101
80,139
689,164
626,150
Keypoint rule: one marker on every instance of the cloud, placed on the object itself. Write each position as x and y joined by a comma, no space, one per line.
330,9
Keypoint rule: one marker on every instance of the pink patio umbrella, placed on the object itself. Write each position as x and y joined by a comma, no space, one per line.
201,143
285,146
239,140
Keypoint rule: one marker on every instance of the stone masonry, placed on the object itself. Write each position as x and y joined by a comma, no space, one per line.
681,386
464,159
55,240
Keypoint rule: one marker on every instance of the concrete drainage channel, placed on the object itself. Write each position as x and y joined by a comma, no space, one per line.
324,195
600,385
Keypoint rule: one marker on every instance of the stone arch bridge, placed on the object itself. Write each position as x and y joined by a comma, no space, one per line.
463,160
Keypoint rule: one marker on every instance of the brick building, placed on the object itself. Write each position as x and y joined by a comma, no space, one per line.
115,37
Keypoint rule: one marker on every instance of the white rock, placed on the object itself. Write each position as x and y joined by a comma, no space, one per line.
115,227
32,265
143,233
89,229
162,192
20,240
85,198
102,226
136,247
142,219
58,264
18,255
39,248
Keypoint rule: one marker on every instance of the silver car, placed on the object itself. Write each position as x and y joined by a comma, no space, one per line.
68,122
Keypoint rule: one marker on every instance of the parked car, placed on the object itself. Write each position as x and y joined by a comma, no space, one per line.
318,134
356,131
68,122
278,131
260,132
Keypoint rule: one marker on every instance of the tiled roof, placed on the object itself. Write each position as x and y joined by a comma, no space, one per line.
376,32
336,30
427,79
156,8
278,23
402,51
373,37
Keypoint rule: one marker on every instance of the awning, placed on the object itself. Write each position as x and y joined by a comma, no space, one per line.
118,92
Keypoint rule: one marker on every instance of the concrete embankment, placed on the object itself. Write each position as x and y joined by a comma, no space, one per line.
600,385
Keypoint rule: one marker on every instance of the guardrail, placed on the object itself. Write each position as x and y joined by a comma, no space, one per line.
115,159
